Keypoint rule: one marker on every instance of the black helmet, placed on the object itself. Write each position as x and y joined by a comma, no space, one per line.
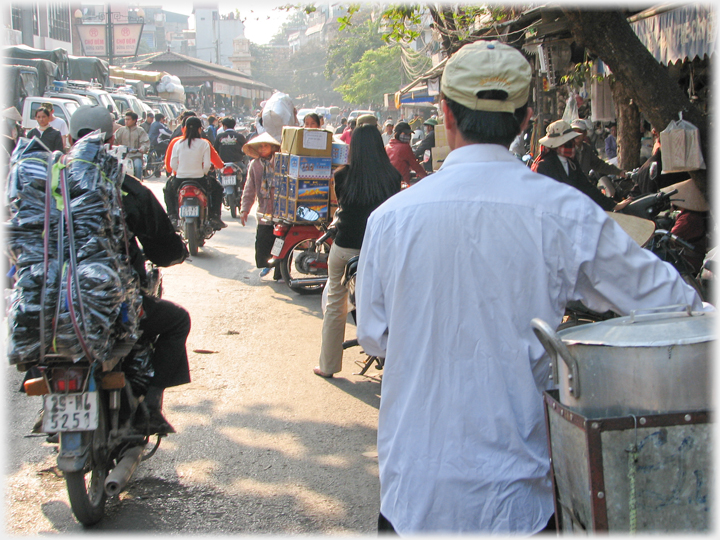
92,117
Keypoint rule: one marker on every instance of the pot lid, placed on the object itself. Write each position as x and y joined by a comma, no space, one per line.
645,330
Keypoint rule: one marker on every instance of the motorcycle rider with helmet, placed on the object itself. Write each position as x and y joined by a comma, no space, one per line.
164,322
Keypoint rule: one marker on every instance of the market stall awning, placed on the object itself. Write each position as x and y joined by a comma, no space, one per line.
193,71
677,34
417,96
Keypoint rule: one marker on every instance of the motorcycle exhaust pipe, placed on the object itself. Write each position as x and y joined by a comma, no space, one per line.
120,475
308,281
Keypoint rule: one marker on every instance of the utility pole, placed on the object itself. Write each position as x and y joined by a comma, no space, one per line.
109,36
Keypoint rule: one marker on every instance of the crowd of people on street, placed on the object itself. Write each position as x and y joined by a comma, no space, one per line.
444,294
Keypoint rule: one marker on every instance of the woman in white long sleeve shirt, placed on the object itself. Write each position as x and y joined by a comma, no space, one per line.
190,159
191,155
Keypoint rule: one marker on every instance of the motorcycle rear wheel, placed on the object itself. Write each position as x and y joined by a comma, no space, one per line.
87,494
233,204
191,234
289,272
86,488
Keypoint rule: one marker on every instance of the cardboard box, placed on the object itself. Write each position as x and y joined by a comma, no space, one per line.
440,135
281,186
296,210
308,189
306,142
439,153
281,163
304,167
340,154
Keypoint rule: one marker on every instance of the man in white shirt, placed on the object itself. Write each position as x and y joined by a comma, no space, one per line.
451,273
387,133
58,123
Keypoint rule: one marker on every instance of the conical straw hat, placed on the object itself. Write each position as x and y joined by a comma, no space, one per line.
639,229
688,196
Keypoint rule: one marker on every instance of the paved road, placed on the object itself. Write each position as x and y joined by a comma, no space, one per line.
263,445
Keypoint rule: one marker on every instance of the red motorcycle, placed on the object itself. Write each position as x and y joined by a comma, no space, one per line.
301,251
194,215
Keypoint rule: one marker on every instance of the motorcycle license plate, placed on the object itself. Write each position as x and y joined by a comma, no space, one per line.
277,247
189,211
229,180
70,412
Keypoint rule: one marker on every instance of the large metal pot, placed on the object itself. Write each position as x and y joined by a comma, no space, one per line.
651,363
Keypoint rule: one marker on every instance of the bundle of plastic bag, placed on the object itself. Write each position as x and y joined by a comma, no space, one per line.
75,292
681,152
278,112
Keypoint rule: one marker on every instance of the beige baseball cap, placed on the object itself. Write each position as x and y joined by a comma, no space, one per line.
487,65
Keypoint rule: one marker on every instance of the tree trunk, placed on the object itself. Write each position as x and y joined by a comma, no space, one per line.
628,128
608,35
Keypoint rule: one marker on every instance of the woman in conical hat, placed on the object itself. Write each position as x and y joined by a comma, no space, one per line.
258,186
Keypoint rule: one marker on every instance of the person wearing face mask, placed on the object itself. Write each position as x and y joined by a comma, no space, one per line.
401,154
558,162
262,148
427,143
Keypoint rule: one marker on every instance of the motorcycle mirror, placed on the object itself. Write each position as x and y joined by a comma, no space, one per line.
307,214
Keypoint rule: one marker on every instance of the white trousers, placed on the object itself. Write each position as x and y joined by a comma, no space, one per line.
333,330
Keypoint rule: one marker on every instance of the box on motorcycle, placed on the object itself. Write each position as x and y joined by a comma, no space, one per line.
74,292
307,142
302,183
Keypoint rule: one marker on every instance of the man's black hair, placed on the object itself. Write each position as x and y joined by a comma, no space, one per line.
159,116
186,115
228,122
132,114
487,127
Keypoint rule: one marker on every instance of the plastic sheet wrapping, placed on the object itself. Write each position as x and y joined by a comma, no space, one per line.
75,292
138,368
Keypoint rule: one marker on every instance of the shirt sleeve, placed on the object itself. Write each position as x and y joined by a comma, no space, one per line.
144,145
215,158
372,327
616,274
174,157
207,152
602,166
168,156
250,190
414,165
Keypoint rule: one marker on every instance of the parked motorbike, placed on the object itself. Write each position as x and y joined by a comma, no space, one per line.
616,187
232,177
666,245
194,215
96,409
301,250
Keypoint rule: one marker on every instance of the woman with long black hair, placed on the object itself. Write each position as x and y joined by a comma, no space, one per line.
191,159
362,186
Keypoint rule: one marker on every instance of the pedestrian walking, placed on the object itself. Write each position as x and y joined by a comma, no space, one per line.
259,186
362,186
